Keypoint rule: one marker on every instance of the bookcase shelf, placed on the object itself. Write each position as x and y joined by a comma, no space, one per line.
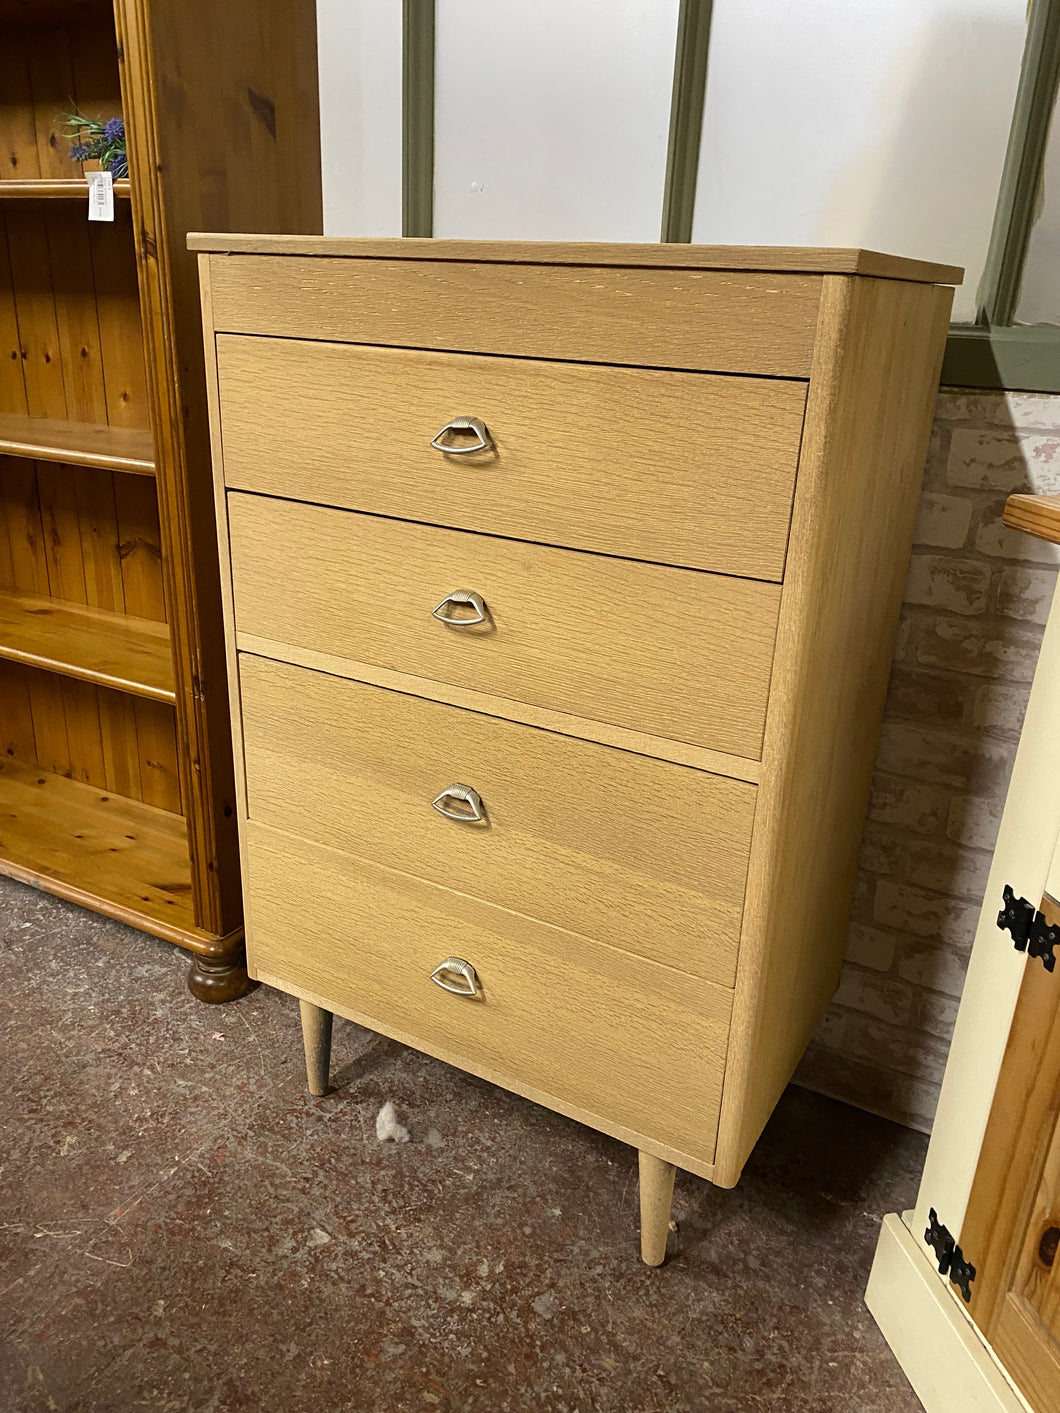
110,649
117,855
77,443
60,188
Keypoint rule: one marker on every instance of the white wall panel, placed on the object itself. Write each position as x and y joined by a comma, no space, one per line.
551,118
851,122
359,54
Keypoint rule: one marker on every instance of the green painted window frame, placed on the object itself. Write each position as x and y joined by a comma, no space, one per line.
417,117
991,352
686,119
995,352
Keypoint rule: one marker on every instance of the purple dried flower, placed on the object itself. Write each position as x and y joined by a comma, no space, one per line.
118,166
114,130
79,152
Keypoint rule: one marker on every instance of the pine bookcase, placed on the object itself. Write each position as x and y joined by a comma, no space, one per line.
116,783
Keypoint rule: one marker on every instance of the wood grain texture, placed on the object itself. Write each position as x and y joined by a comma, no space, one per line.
350,594
222,110
1030,1352
31,14
656,1199
705,320
821,260
70,567
228,623
507,708
1023,1120
633,644
111,649
316,1041
113,256
127,449
868,420
700,470
1037,515
583,1022
119,856
51,61
43,189
232,87
641,854
74,411
1037,1280
77,318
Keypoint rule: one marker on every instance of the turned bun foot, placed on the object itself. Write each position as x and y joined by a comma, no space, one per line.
219,979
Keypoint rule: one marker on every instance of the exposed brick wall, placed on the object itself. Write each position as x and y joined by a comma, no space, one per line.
975,602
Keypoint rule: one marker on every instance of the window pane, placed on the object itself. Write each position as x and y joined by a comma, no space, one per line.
1039,300
551,118
855,123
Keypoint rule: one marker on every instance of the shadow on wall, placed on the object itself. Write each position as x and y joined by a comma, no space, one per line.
976,600
927,186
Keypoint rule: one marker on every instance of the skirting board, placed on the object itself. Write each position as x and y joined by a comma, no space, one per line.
941,1352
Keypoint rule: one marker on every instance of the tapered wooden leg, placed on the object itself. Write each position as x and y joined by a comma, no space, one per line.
316,1037
656,1197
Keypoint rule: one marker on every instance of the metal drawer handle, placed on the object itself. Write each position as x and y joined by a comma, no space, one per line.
463,424
461,596
464,795
446,973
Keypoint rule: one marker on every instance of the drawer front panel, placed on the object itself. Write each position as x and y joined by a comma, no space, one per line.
637,1044
639,853
679,468
722,321
671,652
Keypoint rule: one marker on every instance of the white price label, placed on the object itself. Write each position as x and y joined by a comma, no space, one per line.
100,196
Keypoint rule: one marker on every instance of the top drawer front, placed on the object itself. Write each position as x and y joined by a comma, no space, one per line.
679,468
712,320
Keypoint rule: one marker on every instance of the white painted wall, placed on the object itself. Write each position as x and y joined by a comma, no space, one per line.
855,122
359,58
828,122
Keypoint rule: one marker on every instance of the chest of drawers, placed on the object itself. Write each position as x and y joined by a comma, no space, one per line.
561,584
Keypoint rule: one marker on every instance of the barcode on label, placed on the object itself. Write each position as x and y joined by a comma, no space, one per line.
100,196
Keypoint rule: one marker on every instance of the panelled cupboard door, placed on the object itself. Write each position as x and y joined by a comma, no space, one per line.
1012,1229
1027,1331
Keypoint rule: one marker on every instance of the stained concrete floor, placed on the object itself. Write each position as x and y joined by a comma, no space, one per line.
184,1229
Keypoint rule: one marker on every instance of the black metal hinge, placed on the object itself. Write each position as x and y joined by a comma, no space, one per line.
949,1255
1028,928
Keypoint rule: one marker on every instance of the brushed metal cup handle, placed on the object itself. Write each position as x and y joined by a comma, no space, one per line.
463,424
457,977
466,597
472,810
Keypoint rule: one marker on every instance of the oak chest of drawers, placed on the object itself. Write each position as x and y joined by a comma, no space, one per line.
561,586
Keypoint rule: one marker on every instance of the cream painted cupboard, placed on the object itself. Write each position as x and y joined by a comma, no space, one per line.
561,589
967,1287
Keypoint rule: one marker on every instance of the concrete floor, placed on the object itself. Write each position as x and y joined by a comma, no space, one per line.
184,1229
